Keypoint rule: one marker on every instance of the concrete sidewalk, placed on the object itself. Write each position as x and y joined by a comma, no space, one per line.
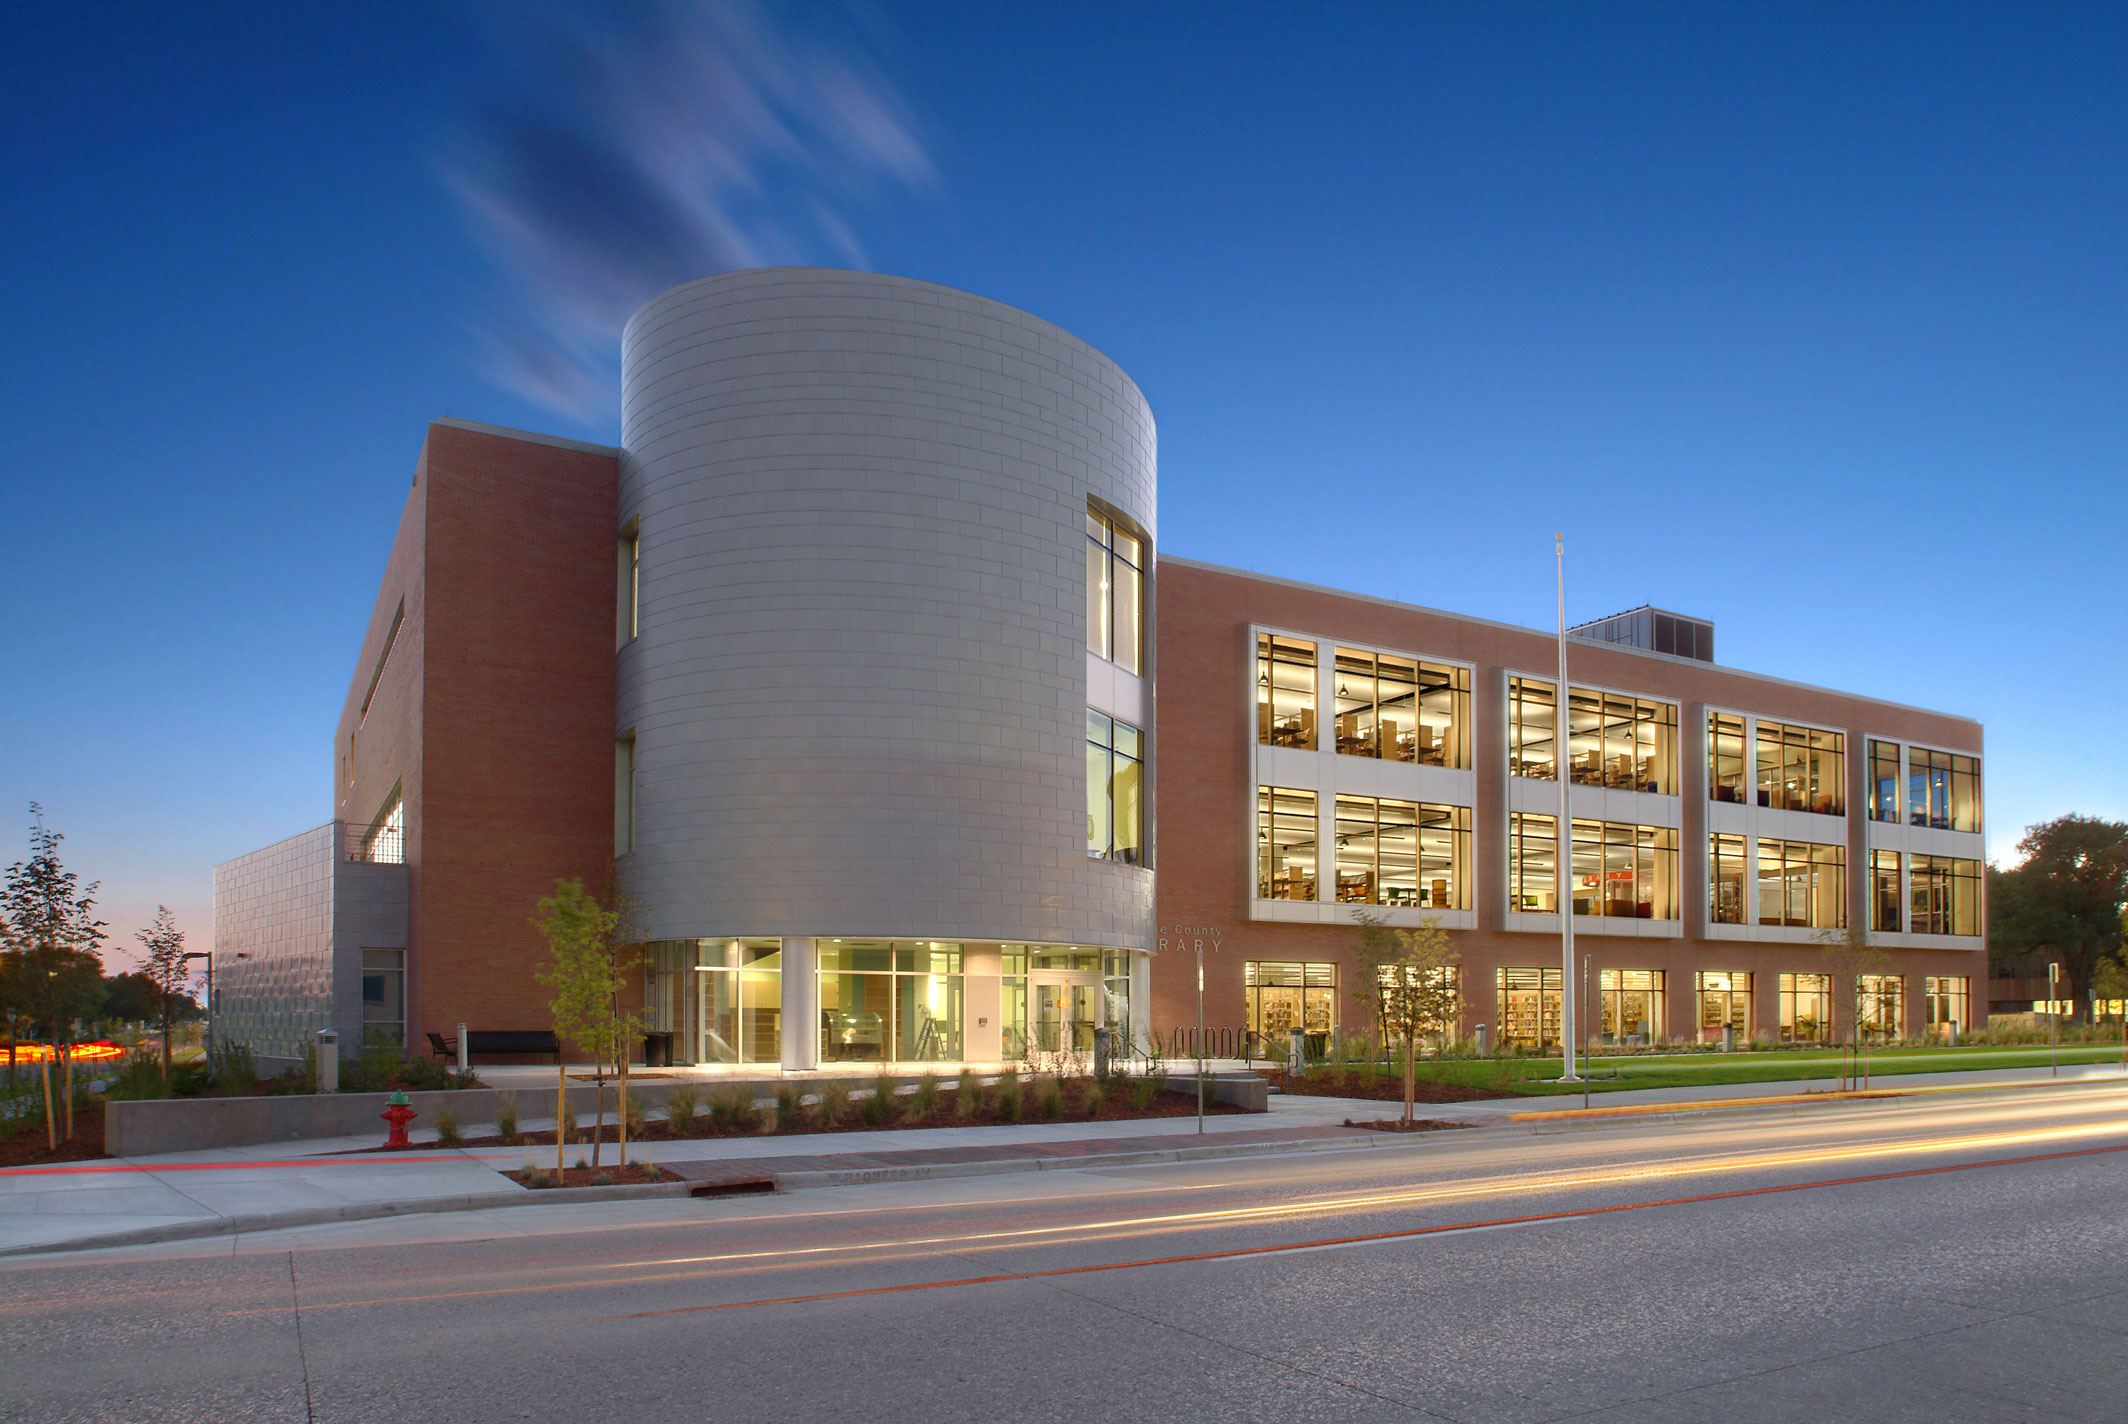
179,1195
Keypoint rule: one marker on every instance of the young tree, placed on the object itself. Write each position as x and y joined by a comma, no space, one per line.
589,975
1407,978
164,965
2066,901
1849,955
53,934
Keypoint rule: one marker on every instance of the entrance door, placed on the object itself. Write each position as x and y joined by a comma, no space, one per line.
1065,1011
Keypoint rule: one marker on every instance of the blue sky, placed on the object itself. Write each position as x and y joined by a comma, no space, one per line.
1810,320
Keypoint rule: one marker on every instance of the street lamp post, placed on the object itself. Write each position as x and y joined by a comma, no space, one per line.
2054,1018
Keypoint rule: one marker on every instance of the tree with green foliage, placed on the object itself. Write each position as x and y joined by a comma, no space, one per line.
164,968
1407,977
52,937
2065,901
589,964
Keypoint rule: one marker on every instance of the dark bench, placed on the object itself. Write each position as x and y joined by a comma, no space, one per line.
498,1040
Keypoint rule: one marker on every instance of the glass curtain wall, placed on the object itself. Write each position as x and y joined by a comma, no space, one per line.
1945,896
1116,995
1401,709
1402,853
1883,1003
1944,1000
1012,1003
1942,789
890,1002
1728,771
1802,769
1632,1006
1620,871
1115,790
1286,844
1806,1008
1284,995
1528,1007
721,1000
1726,870
1884,897
1533,863
1285,692
1883,780
1532,728
1803,884
1724,1002
1115,593
1628,743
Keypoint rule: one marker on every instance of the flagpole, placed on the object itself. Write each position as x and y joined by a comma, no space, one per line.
1563,845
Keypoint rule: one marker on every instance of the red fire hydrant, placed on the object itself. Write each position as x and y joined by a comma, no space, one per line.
398,1114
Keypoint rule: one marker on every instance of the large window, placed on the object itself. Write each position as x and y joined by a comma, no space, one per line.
1629,743
721,1000
1286,838
1945,897
1883,780
1884,892
1619,871
1285,692
1806,1008
1883,1004
628,598
890,1002
1802,883
1284,995
1613,740
1802,769
1115,593
384,996
1115,790
1724,1002
1944,1001
1632,1006
1532,727
1725,879
1727,769
1400,709
1402,853
1529,1009
1943,789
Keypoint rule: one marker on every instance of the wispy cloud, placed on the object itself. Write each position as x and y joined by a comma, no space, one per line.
642,147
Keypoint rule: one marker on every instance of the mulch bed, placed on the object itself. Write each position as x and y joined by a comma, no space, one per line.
629,1176
1115,1108
1417,1124
26,1146
1388,1088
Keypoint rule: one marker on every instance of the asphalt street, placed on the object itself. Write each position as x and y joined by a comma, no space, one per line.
1901,1260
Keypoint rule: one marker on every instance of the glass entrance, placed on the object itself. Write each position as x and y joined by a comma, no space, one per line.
1065,1012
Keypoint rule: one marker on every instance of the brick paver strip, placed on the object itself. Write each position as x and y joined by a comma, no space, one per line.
749,1169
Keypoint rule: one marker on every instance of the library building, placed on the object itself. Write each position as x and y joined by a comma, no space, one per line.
857,666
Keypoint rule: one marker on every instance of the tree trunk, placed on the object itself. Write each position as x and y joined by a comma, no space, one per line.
51,1123
70,1093
598,1116
1411,1074
624,1105
561,1110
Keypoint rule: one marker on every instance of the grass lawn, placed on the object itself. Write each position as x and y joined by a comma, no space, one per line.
1526,1075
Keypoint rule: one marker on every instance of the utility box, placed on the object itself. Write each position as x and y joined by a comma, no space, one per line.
328,1051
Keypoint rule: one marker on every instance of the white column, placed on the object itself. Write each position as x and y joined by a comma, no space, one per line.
1141,997
982,1007
801,1005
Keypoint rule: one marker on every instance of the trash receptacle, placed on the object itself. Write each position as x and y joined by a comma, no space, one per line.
657,1048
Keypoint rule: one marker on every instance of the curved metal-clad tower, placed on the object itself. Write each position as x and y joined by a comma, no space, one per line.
860,685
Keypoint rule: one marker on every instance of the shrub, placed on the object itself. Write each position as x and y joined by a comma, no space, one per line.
140,1078
652,1172
533,1175
232,1067
924,1101
834,1098
680,1107
873,1108
1144,1090
582,1163
1093,1099
633,1113
725,1107
506,1116
887,1091
566,1128
790,1107
967,1095
447,1134
602,1179
1008,1096
1049,1096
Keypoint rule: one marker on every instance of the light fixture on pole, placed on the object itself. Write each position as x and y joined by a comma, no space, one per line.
1563,843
